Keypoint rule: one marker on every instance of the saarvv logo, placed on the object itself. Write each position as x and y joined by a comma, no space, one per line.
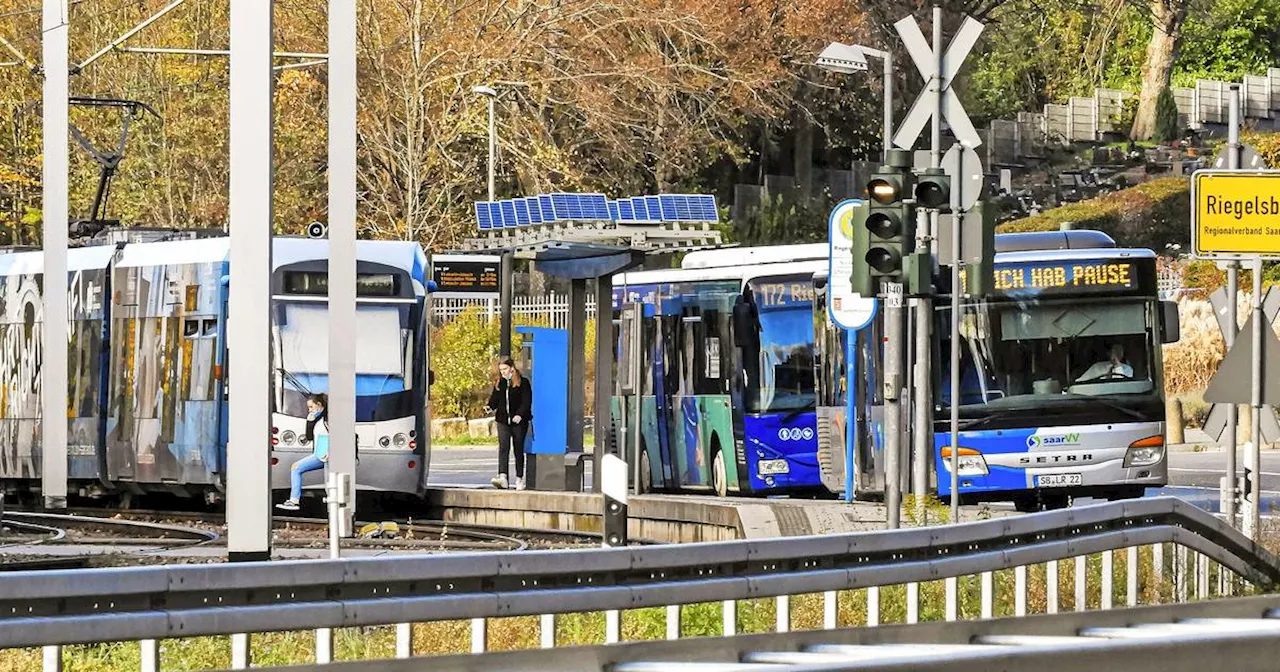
1052,440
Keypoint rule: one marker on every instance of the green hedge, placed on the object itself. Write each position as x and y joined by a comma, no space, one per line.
1150,215
464,357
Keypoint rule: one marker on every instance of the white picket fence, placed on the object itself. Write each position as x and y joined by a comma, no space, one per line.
552,307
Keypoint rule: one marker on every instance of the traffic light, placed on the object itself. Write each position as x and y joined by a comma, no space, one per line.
933,189
980,273
890,222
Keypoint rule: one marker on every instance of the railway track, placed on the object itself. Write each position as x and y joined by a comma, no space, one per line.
163,531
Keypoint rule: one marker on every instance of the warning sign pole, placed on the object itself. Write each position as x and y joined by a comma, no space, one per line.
1253,490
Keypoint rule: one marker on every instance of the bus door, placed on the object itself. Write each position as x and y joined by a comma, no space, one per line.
666,383
689,464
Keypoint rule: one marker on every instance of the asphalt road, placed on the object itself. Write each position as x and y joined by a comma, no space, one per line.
1204,469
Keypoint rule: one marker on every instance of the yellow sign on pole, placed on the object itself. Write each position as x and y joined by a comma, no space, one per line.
1235,214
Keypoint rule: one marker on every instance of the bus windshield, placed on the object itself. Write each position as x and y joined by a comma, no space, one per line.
786,378
1019,355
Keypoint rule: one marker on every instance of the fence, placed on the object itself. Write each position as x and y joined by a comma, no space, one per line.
551,309
1199,553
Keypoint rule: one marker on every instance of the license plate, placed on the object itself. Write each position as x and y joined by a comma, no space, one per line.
1059,480
771,467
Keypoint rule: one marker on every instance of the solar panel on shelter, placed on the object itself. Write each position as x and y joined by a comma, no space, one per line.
508,214
626,212
544,204
570,207
522,212
535,209
482,215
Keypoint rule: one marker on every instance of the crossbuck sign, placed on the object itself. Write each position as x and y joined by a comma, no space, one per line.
926,60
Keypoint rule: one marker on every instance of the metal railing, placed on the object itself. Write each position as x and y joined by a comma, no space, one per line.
1193,637
52,609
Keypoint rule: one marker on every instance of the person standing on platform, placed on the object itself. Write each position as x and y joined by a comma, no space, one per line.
512,405
317,434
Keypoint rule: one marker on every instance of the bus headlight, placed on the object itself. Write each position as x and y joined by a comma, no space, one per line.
972,463
384,441
288,437
1145,452
400,440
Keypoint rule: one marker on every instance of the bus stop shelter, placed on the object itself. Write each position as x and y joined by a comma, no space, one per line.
581,237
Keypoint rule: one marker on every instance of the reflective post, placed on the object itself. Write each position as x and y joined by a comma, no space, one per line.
248,448
53,342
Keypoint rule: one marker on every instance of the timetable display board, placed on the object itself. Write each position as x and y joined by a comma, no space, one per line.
466,275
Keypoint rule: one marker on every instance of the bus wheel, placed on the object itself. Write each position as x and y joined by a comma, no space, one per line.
646,476
719,480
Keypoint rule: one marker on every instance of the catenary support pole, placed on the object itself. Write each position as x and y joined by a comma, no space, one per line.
249,319
342,249
53,342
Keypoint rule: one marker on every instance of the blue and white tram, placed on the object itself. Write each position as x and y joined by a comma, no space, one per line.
147,395
392,432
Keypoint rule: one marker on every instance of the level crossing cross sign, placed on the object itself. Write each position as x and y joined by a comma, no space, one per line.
1227,386
927,104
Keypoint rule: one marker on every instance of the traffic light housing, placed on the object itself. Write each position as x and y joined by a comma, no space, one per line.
933,189
979,275
890,223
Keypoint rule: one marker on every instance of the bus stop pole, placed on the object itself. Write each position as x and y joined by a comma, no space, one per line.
893,356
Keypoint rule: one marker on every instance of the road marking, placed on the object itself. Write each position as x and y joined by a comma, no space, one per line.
1214,471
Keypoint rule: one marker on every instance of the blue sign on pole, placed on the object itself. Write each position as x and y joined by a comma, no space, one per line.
850,312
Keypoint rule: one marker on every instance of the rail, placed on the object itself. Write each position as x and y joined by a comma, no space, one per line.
57,608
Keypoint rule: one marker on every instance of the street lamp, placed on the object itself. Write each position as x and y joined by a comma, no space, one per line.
847,59
505,288
492,95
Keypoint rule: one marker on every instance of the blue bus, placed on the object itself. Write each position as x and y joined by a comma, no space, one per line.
1062,390
726,375
1062,387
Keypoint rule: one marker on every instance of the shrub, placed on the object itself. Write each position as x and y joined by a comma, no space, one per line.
1190,363
1150,215
1166,129
464,356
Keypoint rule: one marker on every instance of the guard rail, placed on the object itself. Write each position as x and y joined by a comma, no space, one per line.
147,604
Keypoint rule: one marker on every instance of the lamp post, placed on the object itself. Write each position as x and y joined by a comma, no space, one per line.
492,95
505,272
847,59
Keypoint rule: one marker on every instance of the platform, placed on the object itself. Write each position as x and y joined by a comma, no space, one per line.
665,518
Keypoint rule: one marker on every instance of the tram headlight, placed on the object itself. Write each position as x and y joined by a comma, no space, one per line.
972,463
400,440
384,441
1145,452
288,437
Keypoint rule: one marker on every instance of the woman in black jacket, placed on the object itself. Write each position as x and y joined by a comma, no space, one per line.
512,406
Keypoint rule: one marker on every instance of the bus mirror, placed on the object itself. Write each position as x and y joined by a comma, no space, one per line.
1170,327
744,324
